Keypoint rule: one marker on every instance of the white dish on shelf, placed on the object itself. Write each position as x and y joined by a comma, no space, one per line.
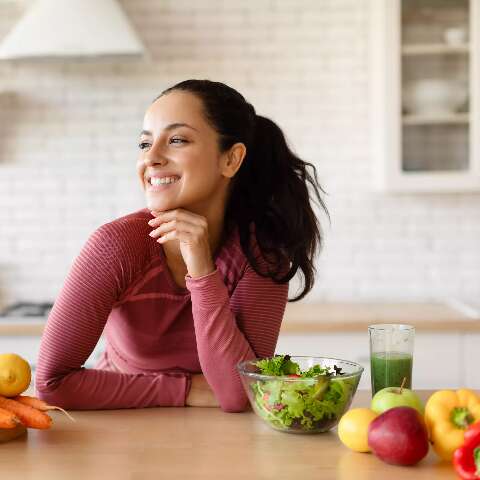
434,96
455,36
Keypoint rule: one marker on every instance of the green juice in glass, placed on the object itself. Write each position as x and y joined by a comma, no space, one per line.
388,369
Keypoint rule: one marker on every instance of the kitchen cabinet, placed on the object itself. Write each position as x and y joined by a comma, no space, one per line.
471,359
441,360
425,101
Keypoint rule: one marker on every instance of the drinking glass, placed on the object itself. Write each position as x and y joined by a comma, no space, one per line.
391,355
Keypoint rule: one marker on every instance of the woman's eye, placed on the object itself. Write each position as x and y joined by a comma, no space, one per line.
141,145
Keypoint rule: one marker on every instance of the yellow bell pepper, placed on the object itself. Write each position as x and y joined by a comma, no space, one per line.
447,415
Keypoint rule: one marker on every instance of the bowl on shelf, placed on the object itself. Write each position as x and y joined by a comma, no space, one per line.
296,404
434,96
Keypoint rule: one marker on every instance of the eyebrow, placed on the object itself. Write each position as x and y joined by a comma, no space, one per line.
172,126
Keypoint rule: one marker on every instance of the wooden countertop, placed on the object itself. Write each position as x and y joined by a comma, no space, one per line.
193,443
356,317
334,317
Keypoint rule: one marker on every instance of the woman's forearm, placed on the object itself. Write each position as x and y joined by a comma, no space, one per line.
257,306
89,389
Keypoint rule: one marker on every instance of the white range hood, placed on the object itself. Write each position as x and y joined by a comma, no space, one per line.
72,28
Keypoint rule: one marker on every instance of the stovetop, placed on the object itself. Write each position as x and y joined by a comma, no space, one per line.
27,309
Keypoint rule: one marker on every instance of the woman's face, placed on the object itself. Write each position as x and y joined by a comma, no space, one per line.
179,166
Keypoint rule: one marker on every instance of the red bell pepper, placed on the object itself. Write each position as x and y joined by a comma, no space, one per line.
466,458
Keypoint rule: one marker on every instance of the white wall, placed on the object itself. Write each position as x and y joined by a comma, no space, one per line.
69,131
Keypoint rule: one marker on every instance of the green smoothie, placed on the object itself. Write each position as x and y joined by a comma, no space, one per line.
388,369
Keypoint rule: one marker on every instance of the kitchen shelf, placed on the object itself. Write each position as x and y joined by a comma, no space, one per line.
412,73
435,49
452,118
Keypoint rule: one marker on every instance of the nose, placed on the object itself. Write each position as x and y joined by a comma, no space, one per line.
154,156
153,160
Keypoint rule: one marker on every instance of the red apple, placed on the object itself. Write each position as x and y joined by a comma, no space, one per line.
399,436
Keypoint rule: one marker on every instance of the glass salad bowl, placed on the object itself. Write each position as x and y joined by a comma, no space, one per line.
300,394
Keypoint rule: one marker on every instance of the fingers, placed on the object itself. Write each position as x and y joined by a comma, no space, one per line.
177,214
179,224
177,229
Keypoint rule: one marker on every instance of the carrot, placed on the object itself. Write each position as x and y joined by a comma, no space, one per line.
40,404
29,416
8,419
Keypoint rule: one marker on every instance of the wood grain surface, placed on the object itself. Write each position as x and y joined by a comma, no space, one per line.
193,443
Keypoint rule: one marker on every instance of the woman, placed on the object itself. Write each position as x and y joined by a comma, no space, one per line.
198,281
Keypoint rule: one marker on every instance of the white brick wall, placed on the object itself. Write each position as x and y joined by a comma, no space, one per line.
68,145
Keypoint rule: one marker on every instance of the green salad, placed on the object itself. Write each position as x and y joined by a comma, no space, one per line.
315,404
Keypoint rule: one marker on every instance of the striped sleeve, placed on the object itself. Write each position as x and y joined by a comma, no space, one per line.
95,281
230,330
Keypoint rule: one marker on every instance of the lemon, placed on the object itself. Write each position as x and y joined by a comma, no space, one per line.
15,374
353,428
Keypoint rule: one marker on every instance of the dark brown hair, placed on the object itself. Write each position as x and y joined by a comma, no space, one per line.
271,188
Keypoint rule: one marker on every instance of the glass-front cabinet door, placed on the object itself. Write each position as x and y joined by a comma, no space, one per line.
425,59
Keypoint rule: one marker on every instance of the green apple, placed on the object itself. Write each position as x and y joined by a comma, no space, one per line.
391,397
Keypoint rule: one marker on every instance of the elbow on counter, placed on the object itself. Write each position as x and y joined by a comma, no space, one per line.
46,389
51,397
47,396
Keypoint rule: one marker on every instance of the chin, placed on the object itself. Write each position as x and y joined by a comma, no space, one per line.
159,205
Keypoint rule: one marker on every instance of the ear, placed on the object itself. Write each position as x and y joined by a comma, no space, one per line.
233,160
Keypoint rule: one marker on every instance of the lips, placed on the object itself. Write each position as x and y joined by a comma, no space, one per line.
149,175
159,187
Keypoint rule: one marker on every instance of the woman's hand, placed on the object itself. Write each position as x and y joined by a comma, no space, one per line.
191,230
200,394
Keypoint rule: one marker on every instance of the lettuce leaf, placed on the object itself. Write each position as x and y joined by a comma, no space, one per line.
278,365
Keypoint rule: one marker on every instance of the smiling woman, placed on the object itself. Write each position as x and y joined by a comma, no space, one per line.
197,282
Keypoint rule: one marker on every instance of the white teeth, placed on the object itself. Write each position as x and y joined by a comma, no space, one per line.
163,180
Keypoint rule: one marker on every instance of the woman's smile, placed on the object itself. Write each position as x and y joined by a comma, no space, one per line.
158,184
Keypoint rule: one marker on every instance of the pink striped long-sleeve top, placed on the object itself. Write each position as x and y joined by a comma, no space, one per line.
157,333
